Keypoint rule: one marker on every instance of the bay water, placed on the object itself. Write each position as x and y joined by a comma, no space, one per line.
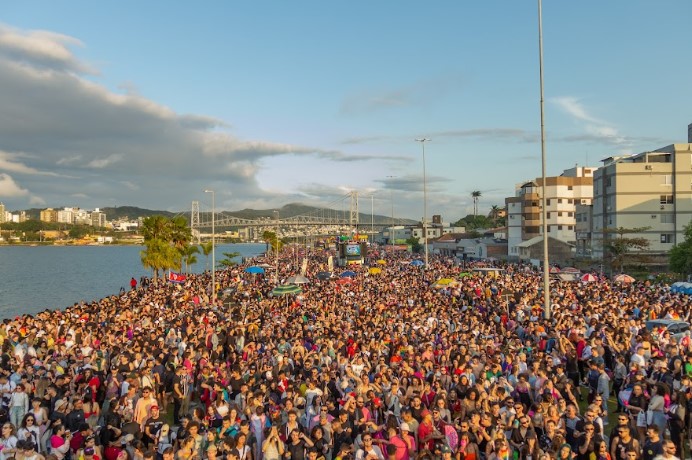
55,277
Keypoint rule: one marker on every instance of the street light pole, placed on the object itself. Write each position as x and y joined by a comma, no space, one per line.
423,140
276,246
544,213
213,245
372,217
391,224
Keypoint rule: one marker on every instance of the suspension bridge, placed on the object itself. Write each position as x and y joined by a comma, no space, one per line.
324,220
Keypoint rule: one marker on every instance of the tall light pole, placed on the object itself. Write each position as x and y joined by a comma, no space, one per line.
391,224
213,245
422,141
544,212
372,217
276,246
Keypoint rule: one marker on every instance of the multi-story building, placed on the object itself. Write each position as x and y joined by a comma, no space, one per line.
563,193
66,216
650,191
2,212
48,215
98,218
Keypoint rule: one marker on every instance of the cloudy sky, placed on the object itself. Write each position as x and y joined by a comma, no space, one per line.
268,102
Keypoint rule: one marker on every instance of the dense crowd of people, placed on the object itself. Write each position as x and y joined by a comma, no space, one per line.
372,366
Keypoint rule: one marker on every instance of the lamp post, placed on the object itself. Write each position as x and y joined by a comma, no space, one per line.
213,245
544,212
276,246
372,218
391,224
422,141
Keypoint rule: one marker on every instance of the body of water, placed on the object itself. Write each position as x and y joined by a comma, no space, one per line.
35,278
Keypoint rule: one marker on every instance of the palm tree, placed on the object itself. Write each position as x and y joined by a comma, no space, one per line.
476,194
189,256
207,248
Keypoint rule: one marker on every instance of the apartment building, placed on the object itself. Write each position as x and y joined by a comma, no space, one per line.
48,215
649,190
563,194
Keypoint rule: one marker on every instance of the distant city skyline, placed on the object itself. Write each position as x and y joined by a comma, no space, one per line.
124,103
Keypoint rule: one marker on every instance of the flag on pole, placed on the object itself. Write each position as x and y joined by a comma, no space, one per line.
174,277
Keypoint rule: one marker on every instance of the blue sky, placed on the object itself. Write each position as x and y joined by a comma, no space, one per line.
268,102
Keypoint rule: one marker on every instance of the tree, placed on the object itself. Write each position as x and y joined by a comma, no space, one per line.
622,251
229,261
474,222
189,256
476,194
207,249
166,241
681,254
415,244
271,239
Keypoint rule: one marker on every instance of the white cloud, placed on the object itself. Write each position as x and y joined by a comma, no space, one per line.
120,146
9,188
595,128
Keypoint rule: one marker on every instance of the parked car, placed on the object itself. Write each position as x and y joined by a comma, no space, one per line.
676,328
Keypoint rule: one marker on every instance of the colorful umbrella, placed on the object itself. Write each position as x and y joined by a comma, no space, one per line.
588,278
570,270
554,270
345,280
445,281
417,263
297,279
348,274
324,275
381,262
254,270
623,278
375,270
465,274
286,289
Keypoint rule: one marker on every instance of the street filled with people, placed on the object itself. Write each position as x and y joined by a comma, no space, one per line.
392,360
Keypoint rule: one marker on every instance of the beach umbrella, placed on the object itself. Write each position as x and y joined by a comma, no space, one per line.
465,274
348,274
381,262
254,270
297,279
286,289
375,270
417,263
570,270
265,265
444,281
343,281
623,278
554,270
588,278
324,275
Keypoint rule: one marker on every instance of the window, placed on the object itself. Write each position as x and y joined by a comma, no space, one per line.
569,187
547,215
570,227
666,199
559,214
570,214
559,227
547,202
609,182
667,218
666,237
667,179
559,200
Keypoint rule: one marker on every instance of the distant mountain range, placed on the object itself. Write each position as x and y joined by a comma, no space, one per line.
289,210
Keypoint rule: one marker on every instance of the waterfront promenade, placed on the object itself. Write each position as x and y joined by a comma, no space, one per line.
386,365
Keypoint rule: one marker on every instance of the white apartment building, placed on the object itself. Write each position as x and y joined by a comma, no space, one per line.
563,193
649,190
66,216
